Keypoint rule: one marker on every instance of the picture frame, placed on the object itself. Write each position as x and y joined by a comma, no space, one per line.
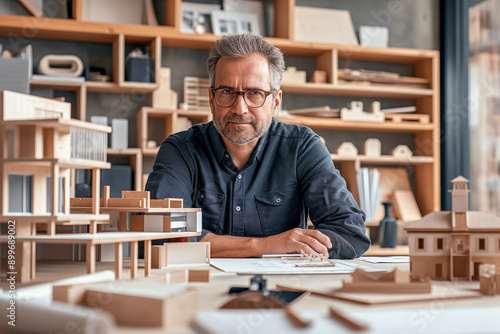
245,6
229,23
196,18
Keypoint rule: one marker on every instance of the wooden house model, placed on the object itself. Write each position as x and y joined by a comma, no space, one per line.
451,245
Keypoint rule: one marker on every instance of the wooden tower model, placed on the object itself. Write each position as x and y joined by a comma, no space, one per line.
40,147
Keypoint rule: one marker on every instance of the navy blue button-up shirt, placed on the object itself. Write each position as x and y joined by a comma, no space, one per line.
288,177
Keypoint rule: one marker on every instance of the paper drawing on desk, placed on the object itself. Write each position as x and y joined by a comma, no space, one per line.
276,266
385,259
409,321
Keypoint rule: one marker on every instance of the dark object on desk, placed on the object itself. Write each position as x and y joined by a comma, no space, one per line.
258,297
285,296
258,283
388,228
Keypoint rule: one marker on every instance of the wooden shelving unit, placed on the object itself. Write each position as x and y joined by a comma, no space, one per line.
425,64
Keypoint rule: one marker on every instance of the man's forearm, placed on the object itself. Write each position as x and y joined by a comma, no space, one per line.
293,241
231,246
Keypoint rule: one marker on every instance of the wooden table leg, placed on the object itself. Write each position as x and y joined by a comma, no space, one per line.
118,260
90,258
147,258
33,253
33,260
134,254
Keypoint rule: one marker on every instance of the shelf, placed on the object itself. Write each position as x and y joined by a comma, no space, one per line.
390,91
96,86
124,152
338,124
73,30
386,160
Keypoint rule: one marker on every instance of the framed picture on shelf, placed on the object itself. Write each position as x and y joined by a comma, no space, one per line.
249,7
196,18
229,23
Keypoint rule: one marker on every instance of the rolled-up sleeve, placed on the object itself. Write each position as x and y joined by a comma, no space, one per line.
332,208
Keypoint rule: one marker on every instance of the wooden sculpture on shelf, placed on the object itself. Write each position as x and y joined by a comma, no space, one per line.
356,114
164,97
347,149
451,245
372,147
294,77
401,152
384,282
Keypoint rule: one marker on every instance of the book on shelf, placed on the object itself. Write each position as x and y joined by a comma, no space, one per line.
368,191
54,78
400,110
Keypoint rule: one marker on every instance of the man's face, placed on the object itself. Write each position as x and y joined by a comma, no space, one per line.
239,123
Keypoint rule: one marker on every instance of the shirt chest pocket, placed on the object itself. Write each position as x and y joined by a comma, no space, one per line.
211,204
278,210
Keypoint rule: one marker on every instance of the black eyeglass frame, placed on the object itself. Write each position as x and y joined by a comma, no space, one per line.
242,93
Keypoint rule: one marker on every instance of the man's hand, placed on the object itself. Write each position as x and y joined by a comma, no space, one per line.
296,240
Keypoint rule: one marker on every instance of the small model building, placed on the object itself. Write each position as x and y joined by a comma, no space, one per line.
452,245
489,280
384,282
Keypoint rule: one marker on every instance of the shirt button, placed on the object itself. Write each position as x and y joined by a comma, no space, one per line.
239,176
238,208
202,196
227,156
278,200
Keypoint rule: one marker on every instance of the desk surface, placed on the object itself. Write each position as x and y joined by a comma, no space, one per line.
212,295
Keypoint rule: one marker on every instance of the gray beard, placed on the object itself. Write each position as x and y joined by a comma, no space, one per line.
236,134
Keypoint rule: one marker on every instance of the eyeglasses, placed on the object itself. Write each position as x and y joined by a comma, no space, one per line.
254,98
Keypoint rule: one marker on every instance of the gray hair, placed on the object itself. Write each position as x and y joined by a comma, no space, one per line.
239,46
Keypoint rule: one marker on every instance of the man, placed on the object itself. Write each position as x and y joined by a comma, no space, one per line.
257,179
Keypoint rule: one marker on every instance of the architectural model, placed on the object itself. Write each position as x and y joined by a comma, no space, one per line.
384,282
41,146
489,280
451,245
